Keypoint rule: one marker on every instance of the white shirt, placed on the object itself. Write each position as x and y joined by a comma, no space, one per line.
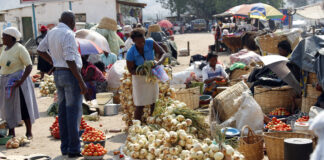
208,72
62,46
128,44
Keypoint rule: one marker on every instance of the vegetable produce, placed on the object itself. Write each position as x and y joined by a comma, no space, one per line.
36,78
279,112
146,70
278,125
17,142
92,135
93,150
48,88
303,119
55,129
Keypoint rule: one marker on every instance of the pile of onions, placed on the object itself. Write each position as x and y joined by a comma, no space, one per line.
126,98
48,88
144,142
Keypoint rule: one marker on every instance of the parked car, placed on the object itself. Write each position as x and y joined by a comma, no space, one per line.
199,25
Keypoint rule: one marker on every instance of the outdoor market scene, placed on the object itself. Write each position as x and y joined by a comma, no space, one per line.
162,79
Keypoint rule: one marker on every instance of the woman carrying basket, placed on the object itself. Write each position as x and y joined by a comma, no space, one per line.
144,93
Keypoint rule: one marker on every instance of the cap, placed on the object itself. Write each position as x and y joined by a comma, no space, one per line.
43,28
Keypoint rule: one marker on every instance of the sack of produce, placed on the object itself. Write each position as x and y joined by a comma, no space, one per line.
115,73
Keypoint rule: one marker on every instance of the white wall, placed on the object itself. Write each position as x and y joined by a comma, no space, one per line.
49,13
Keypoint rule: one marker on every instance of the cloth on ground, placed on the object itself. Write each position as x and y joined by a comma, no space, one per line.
237,65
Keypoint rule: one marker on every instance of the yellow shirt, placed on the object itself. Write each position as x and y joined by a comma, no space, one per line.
14,59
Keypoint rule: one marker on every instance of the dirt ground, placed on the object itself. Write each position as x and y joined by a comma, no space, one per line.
42,143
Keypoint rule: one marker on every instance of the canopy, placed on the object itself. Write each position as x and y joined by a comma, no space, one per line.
313,11
165,24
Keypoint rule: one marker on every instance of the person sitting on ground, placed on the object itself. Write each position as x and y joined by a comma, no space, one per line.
92,77
212,73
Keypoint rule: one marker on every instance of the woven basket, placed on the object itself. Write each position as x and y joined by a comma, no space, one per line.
312,92
154,28
189,96
224,101
307,103
234,81
272,98
108,23
312,78
251,146
274,143
237,73
269,44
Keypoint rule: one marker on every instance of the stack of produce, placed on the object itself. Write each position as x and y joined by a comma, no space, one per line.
36,78
55,128
48,88
303,119
93,135
279,112
126,98
278,125
164,88
17,142
93,150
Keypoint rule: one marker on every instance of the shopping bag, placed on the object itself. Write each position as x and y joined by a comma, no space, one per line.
160,73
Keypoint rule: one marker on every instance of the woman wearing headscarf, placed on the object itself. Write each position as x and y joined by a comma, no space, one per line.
42,65
17,97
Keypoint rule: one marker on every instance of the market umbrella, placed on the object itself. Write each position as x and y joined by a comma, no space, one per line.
264,11
240,10
95,37
278,64
165,24
87,47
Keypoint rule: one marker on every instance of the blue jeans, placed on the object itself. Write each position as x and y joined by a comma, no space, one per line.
70,110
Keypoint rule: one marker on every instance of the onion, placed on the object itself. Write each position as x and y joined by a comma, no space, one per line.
200,155
229,150
137,147
143,152
150,157
182,143
214,148
218,156
180,118
205,148
197,147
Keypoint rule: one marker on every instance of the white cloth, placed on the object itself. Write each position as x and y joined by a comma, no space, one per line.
209,72
13,31
62,46
245,56
128,44
317,125
144,93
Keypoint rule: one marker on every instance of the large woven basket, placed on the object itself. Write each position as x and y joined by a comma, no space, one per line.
312,78
237,73
307,103
108,23
274,143
189,96
224,101
251,146
272,98
311,91
269,43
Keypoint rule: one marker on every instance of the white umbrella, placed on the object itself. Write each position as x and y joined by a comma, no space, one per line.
278,65
95,37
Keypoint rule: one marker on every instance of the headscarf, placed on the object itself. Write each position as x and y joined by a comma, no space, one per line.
13,32
127,29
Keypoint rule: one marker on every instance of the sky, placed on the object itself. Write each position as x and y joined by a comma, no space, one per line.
153,9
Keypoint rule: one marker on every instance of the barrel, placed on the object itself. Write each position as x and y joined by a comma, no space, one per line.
298,148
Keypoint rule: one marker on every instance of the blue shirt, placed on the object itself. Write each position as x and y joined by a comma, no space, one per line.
111,59
134,56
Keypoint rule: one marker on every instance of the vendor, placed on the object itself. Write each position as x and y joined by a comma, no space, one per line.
284,48
93,77
144,93
17,96
212,73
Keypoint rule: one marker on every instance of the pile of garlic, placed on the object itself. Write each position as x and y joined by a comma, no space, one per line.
145,143
48,88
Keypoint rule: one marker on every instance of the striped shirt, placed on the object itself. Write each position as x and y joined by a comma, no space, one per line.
62,46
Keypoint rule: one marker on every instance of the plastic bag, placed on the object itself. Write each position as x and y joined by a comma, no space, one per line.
249,113
317,125
115,73
180,77
160,73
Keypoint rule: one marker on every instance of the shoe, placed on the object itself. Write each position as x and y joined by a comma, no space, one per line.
74,155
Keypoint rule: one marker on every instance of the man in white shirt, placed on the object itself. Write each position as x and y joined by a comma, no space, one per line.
64,55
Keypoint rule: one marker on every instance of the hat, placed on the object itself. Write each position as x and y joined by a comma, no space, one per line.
13,32
119,27
127,29
43,29
108,23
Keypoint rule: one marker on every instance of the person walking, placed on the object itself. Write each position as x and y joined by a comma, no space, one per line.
42,65
17,96
63,53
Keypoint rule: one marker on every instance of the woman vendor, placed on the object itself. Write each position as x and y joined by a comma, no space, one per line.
17,97
212,73
144,93
93,77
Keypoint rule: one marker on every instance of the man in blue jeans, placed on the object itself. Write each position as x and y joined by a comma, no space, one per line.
63,54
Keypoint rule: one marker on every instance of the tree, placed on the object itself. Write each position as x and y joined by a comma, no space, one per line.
175,6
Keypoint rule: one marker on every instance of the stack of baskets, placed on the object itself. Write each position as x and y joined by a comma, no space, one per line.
189,96
272,98
311,93
274,143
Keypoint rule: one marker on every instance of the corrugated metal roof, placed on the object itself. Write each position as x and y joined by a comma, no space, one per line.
11,4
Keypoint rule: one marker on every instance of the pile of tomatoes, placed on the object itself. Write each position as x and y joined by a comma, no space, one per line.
93,150
90,134
279,112
278,125
55,128
303,119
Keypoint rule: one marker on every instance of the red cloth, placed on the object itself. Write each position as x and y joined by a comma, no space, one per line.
98,75
170,32
43,29
121,35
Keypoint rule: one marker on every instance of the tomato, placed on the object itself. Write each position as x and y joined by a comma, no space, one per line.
95,154
121,156
90,154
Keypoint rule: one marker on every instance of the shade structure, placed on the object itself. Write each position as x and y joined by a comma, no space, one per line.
265,11
95,37
87,47
165,24
313,11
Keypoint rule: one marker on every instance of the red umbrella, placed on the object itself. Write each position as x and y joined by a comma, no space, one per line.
165,24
